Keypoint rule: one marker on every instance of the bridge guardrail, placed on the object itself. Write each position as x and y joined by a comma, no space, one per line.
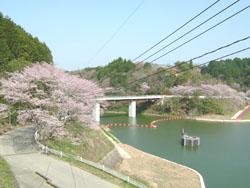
99,166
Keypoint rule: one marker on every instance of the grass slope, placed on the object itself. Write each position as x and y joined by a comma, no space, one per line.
6,176
82,141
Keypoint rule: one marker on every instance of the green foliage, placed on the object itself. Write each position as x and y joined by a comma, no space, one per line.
183,66
172,106
193,106
116,71
7,178
120,72
13,117
18,48
231,70
119,107
14,65
210,106
147,66
13,111
89,143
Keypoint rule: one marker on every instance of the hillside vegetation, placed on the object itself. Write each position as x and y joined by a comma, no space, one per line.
19,48
235,72
121,75
230,78
59,105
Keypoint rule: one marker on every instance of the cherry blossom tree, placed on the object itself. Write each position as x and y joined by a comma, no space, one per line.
54,97
218,90
207,90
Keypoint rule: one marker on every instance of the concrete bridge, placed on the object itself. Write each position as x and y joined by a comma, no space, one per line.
132,102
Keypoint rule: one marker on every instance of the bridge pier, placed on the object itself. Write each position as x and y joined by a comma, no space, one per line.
97,112
132,109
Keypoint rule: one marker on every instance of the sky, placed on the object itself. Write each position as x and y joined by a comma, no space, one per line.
75,30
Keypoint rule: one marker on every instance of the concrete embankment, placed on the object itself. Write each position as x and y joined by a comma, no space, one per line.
156,171
222,120
241,113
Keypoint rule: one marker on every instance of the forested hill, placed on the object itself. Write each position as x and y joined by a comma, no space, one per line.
232,71
18,48
120,76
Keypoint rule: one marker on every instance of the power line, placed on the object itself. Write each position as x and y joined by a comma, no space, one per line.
116,32
176,30
190,31
219,58
198,57
226,46
202,33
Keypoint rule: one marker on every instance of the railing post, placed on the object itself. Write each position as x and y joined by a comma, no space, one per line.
128,179
46,149
96,165
9,116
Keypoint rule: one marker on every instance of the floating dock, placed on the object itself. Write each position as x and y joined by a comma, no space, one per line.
187,140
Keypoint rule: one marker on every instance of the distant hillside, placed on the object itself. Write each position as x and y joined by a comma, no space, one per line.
18,48
121,75
232,71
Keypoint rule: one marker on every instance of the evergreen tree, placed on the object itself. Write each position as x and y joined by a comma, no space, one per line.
17,47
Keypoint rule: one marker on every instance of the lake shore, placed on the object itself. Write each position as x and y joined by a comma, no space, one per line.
222,120
152,169
157,170
208,118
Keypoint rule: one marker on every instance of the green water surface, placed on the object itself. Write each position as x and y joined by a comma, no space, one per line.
223,158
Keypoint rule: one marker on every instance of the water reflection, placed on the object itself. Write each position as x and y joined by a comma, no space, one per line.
132,121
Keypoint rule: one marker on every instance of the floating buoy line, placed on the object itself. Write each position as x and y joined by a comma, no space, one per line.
128,125
151,125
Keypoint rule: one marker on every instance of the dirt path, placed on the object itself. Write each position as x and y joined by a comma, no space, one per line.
19,149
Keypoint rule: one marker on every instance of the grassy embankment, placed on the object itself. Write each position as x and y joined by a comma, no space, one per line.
7,179
82,141
97,172
88,143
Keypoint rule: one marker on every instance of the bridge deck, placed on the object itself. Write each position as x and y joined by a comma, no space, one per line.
120,98
148,97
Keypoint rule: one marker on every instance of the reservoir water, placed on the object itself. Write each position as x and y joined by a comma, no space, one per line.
223,158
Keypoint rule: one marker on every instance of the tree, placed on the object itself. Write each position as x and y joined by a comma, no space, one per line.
231,71
15,44
53,97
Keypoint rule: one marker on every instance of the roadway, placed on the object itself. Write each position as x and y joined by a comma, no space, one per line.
19,149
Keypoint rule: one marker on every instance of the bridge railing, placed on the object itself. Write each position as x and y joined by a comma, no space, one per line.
99,166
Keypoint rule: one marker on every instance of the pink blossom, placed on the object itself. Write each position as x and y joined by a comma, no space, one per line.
44,86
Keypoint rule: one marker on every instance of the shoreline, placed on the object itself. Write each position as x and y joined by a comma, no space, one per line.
164,117
221,119
124,153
